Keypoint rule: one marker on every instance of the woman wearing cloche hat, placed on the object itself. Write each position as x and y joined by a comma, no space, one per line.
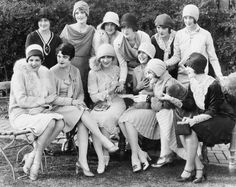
140,118
191,39
80,34
126,48
44,37
107,31
163,40
157,72
30,106
102,86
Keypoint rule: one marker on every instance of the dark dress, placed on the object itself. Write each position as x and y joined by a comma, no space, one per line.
217,129
48,48
173,70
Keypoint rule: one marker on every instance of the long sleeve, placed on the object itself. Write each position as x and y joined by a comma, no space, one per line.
177,53
93,88
21,96
122,63
214,99
210,49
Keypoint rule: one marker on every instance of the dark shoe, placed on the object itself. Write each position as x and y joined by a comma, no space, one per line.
187,179
202,178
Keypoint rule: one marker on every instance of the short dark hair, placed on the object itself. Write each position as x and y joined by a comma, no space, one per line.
66,49
197,62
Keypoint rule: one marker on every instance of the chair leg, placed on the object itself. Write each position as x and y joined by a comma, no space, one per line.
8,161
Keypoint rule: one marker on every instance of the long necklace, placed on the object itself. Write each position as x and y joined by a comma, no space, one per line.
46,46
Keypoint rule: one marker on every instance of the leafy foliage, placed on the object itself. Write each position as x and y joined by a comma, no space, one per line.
18,18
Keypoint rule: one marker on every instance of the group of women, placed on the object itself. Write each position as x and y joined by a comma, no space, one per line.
91,69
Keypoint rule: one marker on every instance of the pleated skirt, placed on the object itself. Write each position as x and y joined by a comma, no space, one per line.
144,121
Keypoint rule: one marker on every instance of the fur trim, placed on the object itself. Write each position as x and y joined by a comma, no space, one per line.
94,64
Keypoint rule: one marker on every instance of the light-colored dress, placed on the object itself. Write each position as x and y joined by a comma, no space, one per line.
98,82
144,120
67,91
27,107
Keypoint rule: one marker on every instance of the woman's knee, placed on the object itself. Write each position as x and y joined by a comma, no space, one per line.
60,124
51,124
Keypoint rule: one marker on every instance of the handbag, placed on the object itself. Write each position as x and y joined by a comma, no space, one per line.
183,128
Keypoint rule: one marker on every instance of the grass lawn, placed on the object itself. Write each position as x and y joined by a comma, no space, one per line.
61,172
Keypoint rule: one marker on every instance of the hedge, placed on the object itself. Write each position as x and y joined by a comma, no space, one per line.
18,18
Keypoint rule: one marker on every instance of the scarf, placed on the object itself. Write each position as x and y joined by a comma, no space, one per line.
166,47
200,88
129,52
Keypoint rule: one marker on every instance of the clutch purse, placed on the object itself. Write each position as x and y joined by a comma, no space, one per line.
183,128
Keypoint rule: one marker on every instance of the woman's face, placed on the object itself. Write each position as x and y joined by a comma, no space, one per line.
106,61
163,31
34,63
142,57
63,60
189,21
110,28
81,16
190,71
44,24
151,76
128,32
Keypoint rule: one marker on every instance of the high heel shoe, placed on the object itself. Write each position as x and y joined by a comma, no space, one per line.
202,178
136,167
187,179
34,171
101,168
86,172
28,159
145,158
168,159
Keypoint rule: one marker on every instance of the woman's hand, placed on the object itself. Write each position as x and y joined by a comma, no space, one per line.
165,97
189,120
120,87
143,84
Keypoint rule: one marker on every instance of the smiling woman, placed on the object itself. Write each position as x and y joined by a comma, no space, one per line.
44,37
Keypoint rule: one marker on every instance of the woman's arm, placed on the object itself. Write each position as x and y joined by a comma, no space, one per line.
93,88
19,91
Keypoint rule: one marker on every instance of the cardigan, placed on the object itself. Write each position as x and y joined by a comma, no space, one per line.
77,86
